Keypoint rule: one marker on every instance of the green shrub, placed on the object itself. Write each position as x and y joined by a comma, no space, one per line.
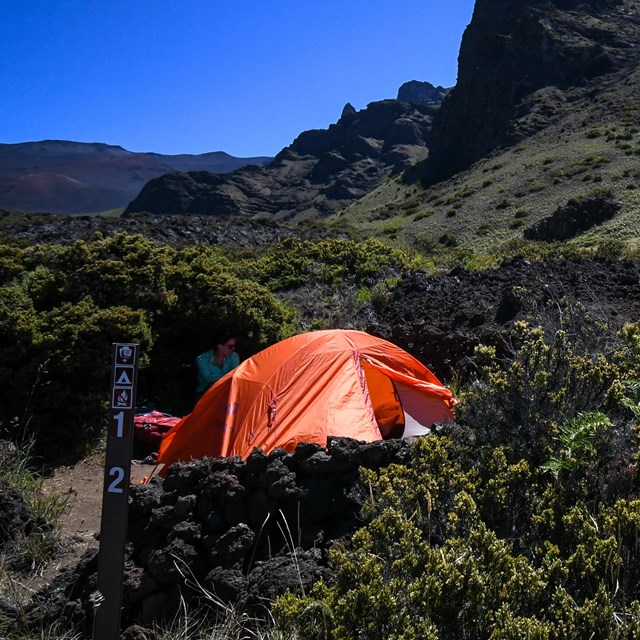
63,306
421,215
549,378
576,441
294,262
430,563
447,240
56,367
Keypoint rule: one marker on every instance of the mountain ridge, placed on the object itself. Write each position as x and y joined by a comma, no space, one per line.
505,164
64,176
508,53
318,173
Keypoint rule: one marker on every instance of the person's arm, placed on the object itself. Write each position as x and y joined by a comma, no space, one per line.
207,375
230,362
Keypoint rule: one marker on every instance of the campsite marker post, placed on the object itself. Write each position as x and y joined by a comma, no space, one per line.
115,492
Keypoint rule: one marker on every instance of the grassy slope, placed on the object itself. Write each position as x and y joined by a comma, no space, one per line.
593,144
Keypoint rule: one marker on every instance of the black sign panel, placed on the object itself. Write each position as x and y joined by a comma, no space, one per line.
115,493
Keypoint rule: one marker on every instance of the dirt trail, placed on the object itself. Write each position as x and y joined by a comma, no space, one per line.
82,484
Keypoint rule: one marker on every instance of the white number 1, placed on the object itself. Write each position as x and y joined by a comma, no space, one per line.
119,417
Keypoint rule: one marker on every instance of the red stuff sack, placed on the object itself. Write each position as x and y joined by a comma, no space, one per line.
149,428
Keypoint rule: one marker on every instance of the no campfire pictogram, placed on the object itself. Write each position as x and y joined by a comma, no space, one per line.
122,398
115,492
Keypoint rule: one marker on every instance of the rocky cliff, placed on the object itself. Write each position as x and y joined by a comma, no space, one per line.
320,172
516,61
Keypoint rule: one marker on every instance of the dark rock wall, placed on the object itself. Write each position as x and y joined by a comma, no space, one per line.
247,530
244,531
509,51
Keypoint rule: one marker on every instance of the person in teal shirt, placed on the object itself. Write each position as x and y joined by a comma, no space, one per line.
216,362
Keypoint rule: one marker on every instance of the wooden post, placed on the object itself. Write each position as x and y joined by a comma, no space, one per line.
115,493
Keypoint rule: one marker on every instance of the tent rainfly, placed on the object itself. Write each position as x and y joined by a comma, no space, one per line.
306,388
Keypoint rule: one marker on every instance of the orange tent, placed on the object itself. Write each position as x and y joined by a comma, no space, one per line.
306,388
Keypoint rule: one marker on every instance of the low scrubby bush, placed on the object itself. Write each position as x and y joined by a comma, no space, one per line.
333,262
63,306
547,376
521,522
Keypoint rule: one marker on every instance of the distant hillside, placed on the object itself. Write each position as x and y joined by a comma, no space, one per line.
320,172
58,176
538,141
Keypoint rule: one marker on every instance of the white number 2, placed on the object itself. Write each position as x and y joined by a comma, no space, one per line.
118,472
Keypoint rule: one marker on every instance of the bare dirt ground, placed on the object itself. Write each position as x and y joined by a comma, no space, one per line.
82,483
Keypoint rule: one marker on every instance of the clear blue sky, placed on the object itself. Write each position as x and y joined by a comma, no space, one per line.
191,76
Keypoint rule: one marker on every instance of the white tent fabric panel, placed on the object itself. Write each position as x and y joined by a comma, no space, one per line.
420,411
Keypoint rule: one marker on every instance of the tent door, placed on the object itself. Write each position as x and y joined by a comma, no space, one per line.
421,411
385,402
400,410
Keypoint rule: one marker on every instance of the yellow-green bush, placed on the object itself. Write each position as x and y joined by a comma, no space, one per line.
478,537
330,262
551,375
430,563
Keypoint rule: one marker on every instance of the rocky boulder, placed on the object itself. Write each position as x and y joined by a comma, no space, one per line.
15,520
577,216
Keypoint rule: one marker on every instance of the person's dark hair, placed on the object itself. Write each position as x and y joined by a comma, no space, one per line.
222,338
